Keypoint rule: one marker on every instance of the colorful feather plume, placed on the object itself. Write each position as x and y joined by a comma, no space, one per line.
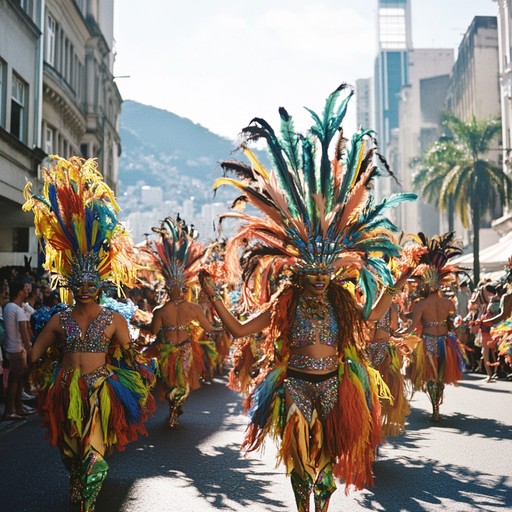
76,224
318,210
177,254
433,264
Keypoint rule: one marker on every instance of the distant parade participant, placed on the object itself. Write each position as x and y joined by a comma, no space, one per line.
501,324
179,323
438,359
388,352
318,235
94,388
385,355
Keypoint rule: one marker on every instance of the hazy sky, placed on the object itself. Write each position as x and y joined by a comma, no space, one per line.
222,62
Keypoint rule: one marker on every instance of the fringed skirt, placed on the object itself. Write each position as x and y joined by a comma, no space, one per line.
210,359
176,363
344,427
434,358
386,358
502,335
119,399
185,364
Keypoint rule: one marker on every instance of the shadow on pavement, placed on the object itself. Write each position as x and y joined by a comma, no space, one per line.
219,475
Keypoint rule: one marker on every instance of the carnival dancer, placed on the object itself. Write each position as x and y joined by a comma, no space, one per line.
94,389
501,324
386,355
319,233
438,359
388,352
179,323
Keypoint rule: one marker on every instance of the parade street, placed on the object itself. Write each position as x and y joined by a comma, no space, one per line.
460,464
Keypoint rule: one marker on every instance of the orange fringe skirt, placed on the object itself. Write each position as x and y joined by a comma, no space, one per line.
436,358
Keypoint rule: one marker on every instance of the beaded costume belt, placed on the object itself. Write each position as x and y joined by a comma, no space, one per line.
304,362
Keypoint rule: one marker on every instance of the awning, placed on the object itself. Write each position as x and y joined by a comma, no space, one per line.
492,258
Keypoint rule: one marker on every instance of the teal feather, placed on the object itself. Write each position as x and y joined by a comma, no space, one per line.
369,288
308,167
395,199
324,130
285,179
382,270
290,140
351,163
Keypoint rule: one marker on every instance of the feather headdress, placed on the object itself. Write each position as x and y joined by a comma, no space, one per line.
177,254
75,221
434,263
318,210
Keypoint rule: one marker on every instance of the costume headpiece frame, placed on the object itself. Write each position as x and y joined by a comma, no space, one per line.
76,224
319,213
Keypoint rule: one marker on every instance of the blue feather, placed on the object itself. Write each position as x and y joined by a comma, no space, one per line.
262,398
129,399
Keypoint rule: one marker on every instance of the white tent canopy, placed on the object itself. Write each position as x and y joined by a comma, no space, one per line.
492,258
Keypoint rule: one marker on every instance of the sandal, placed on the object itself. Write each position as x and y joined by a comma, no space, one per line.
12,416
26,412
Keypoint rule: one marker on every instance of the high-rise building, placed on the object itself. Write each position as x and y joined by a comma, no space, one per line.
420,107
364,117
474,86
394,42
475,91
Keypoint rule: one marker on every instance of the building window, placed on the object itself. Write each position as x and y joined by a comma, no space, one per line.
392,28
65,62
49,140
18,110
84,150
51,29
28,7
20,240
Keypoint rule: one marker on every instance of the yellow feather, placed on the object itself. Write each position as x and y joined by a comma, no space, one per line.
229,181
256,164
359,160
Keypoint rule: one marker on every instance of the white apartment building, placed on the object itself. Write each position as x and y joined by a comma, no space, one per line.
504,224
57,96
474,86
475,91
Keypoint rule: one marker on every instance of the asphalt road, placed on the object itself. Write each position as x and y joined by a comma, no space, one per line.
461,464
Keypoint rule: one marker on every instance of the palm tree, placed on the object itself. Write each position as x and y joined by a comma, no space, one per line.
432,167
475,185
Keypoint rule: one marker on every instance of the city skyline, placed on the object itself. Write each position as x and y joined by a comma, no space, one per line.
219,65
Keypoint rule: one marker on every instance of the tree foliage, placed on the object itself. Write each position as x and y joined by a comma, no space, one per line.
454,173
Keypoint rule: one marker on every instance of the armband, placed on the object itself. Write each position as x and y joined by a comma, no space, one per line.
391,290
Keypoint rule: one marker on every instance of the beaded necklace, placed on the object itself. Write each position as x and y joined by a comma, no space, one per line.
314,308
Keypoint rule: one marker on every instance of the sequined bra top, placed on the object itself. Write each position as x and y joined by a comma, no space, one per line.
94,339
304,329
385,322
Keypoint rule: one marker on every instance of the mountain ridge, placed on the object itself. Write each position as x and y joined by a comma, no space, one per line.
158,145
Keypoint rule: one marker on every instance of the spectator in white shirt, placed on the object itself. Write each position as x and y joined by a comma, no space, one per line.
17,348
